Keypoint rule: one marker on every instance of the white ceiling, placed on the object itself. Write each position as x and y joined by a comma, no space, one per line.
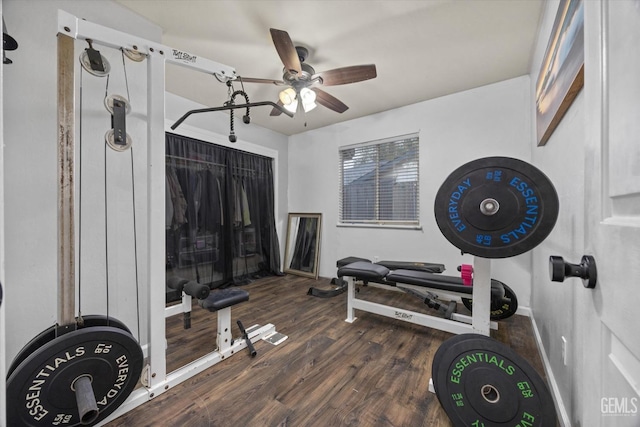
422,49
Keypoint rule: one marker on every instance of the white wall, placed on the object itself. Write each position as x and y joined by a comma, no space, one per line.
553,304
493,120
30,117
3,385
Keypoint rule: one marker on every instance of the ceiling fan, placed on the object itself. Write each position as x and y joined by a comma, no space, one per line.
301,78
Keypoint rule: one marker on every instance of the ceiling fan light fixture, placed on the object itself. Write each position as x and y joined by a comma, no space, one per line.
292,106
307,95
308,106
308,98
288,96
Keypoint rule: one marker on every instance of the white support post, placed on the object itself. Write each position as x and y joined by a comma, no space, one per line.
481,295
155,219
224,337
351,296
186,303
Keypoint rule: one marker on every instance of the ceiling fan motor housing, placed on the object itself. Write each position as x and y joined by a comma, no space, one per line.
303,53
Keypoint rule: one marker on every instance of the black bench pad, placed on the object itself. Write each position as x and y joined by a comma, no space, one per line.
350,260
364,270
428,267
437,281
377,273
219,299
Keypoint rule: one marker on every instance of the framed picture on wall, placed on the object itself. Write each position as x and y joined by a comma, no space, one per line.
562,71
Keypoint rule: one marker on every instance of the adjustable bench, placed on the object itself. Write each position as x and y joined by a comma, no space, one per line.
341,285
421,283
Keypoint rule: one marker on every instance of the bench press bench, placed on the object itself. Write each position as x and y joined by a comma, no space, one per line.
422,284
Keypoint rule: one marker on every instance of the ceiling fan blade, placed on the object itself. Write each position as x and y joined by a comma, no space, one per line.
270,81
346,75
275,111
329,101
286,50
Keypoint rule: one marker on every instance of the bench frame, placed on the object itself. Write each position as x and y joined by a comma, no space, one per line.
479,322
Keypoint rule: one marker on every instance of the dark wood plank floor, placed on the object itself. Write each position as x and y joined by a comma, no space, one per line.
374,372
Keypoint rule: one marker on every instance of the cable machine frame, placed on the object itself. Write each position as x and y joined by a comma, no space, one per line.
155,378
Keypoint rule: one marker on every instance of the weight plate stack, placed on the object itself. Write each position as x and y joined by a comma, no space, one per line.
500,309
49,334
40,390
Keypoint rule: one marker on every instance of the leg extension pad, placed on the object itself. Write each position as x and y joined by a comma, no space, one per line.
223,298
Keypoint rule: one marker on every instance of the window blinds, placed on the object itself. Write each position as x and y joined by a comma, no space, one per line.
379,182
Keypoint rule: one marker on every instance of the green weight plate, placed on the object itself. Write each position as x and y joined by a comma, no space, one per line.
481,382
496,207
39,390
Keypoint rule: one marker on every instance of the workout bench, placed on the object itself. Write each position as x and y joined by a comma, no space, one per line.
219,301
420,283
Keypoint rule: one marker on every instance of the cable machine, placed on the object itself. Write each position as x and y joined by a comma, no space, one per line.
84,369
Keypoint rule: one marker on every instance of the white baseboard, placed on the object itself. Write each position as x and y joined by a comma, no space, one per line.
524,311
561,410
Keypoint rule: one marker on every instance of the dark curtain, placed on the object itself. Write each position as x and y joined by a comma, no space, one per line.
219,214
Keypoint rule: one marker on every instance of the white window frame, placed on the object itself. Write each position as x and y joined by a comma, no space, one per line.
413,223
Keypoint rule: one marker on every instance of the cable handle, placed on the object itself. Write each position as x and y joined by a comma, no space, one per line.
246,118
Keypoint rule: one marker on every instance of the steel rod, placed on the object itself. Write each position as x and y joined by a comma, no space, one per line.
230,107
66,152
86,400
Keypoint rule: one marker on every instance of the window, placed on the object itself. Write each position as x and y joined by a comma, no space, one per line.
379,182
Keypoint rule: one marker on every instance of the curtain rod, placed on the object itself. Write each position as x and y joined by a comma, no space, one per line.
230,107
208,163
194,160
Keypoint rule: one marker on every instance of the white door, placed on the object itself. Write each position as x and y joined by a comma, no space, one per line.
2,327
608,315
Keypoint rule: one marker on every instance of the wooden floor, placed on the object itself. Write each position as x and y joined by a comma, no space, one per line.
374,372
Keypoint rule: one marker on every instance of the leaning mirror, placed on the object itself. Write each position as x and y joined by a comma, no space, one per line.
302,250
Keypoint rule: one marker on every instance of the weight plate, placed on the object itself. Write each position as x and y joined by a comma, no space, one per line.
50,333
502,309
481,382
86,64
39,391
496,207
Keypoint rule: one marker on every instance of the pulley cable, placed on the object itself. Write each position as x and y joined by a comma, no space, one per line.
80,204
135,238
106,228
